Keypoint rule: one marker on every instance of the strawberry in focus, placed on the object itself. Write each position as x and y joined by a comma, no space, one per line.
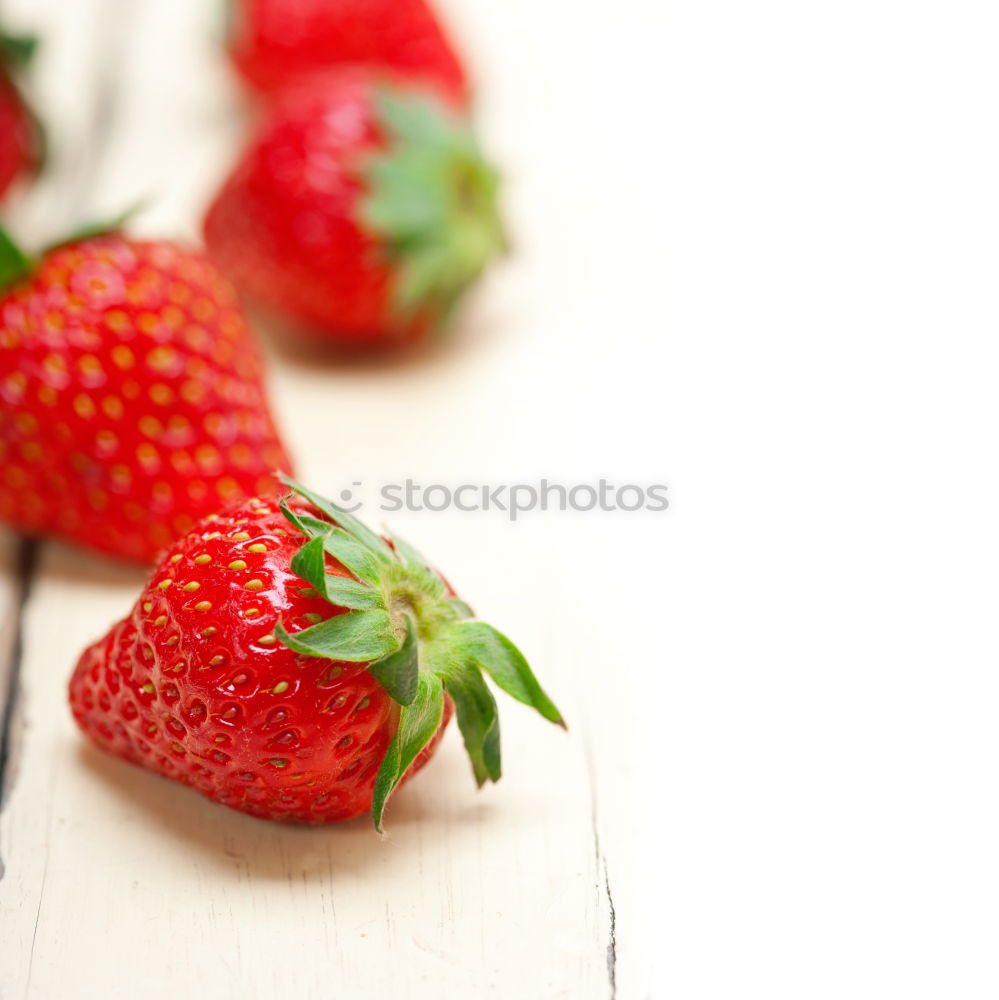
21,140
273,42
287,662
131,395
362,210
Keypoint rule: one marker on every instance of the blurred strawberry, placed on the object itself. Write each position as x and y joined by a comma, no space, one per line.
21,139
272,42
131,394
361,209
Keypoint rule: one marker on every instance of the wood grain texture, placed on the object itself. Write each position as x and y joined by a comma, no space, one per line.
119,884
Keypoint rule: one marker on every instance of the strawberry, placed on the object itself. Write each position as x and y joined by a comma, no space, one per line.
21,139
131,400
273,42
362,209
288,662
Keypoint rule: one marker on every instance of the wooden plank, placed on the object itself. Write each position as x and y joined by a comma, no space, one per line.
75,129
475,892
502,893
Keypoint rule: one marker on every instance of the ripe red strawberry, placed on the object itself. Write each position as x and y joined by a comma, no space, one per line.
361,209
131,400
288,662
273,42
21,141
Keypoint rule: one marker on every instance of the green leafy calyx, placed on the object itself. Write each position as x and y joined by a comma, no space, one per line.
15,264
431,202
392,611
17,51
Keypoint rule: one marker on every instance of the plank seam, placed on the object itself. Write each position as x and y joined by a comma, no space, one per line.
601,867
90,159
26,567
612,943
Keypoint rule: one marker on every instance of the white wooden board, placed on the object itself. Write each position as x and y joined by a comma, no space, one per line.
118,884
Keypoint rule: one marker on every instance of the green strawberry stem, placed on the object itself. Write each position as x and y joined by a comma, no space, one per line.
419,643
17,51
431,201
15,264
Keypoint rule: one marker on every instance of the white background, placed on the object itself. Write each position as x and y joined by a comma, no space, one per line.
756,259
826,189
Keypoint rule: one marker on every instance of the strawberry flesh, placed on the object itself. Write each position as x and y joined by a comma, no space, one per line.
17,136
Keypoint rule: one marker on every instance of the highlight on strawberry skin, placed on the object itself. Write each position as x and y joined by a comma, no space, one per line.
288,662
132,399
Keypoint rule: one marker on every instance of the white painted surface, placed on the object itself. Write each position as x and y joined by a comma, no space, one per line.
119,884
756,258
